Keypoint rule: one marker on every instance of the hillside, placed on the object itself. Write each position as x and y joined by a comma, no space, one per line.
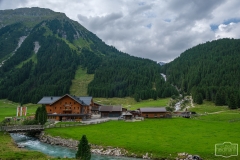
42,52
209,71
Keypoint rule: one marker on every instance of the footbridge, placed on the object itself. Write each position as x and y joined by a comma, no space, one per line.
22,128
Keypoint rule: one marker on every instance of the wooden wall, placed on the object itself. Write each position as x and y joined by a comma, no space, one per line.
67,105
154,114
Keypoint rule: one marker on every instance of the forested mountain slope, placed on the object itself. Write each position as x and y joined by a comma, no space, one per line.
53,47
209,71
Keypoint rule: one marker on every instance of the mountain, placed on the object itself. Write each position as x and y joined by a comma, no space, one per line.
40,51
161,63
209,71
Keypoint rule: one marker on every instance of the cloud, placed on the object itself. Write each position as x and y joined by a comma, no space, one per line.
154,29
100,23
231,30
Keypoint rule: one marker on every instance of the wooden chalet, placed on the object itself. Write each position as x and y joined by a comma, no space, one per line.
68,107
110,111
157,112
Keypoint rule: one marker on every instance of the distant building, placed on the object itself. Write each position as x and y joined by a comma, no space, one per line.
110,111
68,107
157,112
128,116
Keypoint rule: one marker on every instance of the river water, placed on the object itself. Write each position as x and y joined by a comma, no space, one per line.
56,151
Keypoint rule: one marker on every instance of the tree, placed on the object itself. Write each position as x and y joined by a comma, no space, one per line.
84,152
198,98
232,102
41,115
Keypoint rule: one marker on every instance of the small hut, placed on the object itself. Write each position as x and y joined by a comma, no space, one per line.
128,116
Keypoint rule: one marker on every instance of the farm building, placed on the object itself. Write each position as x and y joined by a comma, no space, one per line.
110,111
128,116
157,112
68,107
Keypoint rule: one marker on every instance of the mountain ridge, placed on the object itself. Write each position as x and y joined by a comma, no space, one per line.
64,45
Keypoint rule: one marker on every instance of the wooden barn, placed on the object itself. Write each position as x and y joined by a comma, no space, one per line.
110,111
157,112
68,107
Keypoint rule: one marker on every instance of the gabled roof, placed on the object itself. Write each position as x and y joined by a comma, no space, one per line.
50,100
156,109
110,108
86,100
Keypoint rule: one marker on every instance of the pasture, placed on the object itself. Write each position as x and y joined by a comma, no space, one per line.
164,138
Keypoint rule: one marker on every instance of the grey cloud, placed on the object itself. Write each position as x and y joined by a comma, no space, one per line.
175,25
99,23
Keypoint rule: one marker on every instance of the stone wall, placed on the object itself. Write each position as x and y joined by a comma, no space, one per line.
96,149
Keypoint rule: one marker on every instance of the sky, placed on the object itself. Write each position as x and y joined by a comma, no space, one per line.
159,30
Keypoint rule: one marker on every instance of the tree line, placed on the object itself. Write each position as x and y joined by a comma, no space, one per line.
209,71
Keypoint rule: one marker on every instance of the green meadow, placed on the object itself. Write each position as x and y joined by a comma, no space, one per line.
164,138
9,109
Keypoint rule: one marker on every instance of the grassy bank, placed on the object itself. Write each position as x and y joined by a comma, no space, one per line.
9,109
8,150
131,104
162,137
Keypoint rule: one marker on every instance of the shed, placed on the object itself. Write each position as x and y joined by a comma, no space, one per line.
128,116
156,112
110,111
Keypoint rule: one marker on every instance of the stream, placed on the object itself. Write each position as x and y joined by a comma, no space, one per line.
31,143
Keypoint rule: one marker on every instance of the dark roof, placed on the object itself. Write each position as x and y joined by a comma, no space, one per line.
67,115
156,109
51,99
128,114
48,100
86,100
110,108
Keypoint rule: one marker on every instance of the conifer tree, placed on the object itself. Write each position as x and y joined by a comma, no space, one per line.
84,149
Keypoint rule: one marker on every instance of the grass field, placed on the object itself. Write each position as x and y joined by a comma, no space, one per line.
161,137
131,104
9,109
208,107
80,82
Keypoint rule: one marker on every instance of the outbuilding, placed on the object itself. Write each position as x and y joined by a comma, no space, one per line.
156,112
110,111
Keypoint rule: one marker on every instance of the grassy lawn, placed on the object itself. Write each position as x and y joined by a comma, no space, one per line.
80,82
161,137
9,109
208,107
8,150
131,104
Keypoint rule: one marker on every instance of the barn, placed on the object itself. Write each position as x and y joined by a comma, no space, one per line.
110,111
156,112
